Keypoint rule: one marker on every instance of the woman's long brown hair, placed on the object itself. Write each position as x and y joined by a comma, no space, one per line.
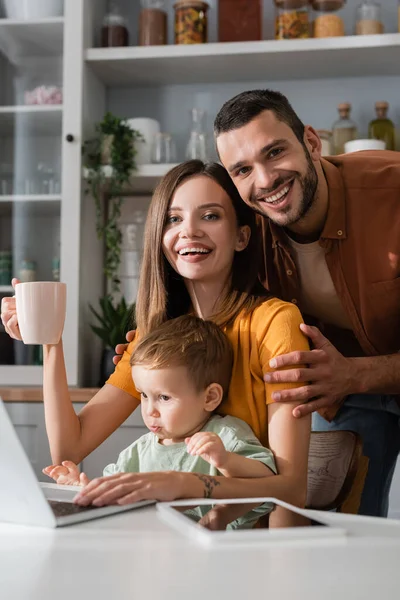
162,293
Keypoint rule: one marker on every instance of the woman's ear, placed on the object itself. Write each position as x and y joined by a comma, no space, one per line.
213,397
243,238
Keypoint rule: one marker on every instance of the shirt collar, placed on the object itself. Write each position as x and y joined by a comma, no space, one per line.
335,225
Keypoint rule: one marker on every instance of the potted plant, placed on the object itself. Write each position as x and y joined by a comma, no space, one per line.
114,143
114,320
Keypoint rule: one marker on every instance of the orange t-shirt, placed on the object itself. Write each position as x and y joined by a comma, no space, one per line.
269,330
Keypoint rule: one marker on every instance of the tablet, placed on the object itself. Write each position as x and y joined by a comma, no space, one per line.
245,519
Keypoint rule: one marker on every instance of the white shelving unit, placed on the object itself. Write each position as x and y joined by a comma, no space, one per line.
247,61
32,38
144,179
32,120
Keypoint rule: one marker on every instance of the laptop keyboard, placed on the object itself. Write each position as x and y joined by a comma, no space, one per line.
64,509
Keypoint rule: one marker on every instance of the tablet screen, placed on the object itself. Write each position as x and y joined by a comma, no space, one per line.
244,516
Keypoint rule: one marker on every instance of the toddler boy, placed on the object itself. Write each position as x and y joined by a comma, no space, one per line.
182,371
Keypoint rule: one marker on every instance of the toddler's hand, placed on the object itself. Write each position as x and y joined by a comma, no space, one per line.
209,446
66,474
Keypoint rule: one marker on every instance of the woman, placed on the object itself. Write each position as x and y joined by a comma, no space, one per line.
200,256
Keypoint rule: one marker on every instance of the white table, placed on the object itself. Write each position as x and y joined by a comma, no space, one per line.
135,556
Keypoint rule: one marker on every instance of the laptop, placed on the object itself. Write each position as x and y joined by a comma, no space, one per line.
26,501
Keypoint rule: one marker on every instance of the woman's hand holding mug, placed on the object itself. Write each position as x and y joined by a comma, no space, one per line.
9,315
36,313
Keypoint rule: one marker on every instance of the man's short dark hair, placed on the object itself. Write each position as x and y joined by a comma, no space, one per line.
244,107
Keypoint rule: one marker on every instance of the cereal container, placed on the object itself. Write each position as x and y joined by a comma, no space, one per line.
327,22
368,18
292,19
190,22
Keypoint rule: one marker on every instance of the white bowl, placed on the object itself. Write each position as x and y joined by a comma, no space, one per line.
33,9
356,145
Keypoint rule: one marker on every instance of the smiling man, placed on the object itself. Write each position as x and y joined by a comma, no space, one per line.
331,244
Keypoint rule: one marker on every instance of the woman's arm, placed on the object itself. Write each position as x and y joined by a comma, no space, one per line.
72,436
289,439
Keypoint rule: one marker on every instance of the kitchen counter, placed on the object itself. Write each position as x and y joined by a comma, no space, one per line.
35,394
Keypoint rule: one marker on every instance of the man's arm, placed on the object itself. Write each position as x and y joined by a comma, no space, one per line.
330,376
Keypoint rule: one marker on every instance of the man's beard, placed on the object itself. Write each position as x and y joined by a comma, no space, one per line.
308,185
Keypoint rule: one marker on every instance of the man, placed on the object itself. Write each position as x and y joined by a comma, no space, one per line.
331,244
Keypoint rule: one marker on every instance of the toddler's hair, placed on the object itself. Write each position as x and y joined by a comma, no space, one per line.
188,341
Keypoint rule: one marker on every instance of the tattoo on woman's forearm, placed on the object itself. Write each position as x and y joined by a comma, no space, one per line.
209,484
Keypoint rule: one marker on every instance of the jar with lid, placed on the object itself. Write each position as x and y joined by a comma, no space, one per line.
152,23
191,23
344,129
382,128
114,30
368,18
292,19
327,22
239,20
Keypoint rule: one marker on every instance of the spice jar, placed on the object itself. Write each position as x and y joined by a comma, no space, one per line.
152,23
190,22
327,23
239,20
114,31
292,19
368,18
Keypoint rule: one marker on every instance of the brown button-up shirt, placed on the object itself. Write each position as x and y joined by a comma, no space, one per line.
361,239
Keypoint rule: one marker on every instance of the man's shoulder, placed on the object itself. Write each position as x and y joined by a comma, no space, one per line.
368,169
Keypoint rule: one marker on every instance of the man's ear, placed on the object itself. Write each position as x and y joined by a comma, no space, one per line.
313,142
213,396
243,238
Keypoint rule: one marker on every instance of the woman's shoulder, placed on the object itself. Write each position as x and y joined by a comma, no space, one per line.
275,310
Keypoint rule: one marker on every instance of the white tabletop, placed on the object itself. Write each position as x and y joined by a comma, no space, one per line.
135,556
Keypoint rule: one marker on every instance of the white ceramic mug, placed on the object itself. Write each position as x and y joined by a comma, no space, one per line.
148,128
41,307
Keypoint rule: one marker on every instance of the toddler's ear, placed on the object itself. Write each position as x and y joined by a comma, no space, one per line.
213,396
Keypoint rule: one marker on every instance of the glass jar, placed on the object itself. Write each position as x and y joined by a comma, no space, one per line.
292,19
191,22
114,31
327,23
382,128
344,129
368,18
239,20
152,23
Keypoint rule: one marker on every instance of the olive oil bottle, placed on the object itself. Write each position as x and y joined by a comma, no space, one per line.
382,128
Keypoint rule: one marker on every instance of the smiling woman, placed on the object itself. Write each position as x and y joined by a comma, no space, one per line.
200,257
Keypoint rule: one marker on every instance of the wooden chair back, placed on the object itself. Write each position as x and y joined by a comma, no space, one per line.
333,462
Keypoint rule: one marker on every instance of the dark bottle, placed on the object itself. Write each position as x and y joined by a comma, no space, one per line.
114,31
382,128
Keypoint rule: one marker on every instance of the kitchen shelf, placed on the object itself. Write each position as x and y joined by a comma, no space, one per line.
144,179
31,206
20,38
348,56
34,119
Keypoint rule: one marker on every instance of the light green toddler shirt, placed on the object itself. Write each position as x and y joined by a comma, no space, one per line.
146,454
